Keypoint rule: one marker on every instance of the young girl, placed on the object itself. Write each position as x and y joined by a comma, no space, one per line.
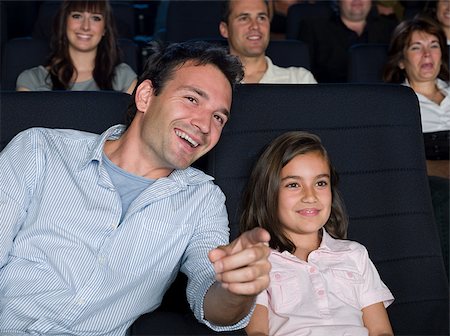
320,284
85,54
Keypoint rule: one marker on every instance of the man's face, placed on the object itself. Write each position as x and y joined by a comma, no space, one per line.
185,120
248,28
355,10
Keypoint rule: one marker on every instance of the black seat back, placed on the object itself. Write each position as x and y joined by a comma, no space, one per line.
374,138
92,111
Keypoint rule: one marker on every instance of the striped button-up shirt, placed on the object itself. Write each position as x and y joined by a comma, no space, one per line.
67,266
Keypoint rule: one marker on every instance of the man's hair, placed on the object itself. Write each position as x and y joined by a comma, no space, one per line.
226,10
259,205
401,37
166,58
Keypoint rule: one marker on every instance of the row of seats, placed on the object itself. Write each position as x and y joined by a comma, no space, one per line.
366,61
374,138
17,51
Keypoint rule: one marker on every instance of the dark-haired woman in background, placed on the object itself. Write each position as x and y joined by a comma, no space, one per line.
85,54
418,57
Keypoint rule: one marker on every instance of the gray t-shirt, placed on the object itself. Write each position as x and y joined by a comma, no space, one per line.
36,79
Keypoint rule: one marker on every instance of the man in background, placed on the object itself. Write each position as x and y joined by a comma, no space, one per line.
246,26
329,39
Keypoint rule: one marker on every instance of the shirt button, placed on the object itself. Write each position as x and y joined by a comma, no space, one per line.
320,292
312,270
101,259
113,226
277,276
350,274
81,301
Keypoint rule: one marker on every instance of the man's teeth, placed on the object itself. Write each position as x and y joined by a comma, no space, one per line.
187,138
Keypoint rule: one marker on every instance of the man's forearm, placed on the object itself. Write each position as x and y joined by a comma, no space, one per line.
225,308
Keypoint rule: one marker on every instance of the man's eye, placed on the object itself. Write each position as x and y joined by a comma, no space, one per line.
220,119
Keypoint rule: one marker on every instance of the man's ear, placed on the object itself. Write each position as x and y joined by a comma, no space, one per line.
144,94
223,28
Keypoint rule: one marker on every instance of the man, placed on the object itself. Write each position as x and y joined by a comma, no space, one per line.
329,39
246,25
96,227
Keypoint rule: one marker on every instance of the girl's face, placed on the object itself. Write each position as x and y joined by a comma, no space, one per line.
422,57
443,12
305,197
85,30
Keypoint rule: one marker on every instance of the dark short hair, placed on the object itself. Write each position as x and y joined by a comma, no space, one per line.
165,58
259,206
401,37
226,9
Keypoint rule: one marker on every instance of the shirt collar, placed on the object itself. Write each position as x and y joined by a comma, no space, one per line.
442,86
96,151
331,244
184,177
328,244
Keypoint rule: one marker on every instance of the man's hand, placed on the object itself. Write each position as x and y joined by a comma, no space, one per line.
242,267
242,272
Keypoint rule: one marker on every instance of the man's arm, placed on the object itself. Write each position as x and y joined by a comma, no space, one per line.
242,272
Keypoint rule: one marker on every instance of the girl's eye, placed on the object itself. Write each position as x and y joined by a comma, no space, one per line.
97,18
322,183
293,185
76,16
435,46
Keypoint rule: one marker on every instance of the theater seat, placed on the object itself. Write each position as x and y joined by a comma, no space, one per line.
366,62
92,111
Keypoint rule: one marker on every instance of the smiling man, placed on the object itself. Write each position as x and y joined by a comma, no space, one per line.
246,26
96,227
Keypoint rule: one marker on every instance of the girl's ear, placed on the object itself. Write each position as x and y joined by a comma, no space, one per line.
401,65
144,94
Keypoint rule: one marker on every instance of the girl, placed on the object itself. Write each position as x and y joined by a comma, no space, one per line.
84,56
320,284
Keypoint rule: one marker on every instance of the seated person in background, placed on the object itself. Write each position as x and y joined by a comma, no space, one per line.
320,283
443,16
418,58
329,39
280,10
85,55
246,25
96,227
